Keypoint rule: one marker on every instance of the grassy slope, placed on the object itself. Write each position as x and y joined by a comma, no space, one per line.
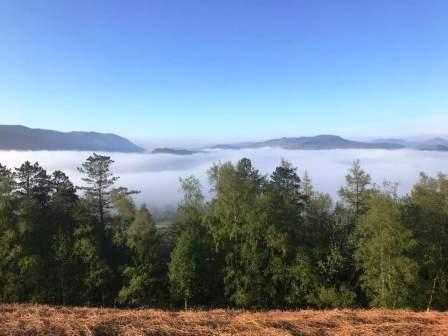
44,320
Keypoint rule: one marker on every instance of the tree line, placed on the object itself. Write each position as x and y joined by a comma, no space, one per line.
259,242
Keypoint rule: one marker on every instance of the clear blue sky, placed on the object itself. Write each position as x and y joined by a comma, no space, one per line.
226,69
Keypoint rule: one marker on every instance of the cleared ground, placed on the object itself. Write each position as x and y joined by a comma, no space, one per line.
45,320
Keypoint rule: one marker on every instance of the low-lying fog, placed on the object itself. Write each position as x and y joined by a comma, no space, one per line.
157,175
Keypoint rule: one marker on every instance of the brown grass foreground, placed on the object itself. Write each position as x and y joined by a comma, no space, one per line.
45,320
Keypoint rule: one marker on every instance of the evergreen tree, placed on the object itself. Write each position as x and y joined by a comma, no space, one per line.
90,255
123,214
261,242
289,261
143,278
33,184
326,240
33,192
99,180
11,251
287,202
4,171
64,275
308,190
334,245
355,192
354,203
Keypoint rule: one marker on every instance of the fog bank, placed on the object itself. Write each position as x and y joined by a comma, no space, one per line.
157,175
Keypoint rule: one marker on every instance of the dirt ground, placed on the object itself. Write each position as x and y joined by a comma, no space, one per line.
45,320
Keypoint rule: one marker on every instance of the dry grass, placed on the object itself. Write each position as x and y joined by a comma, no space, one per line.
45,320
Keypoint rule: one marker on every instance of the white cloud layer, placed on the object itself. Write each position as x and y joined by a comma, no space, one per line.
157,175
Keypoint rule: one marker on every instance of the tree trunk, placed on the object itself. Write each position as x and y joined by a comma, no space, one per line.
101,210
62,291
102,297
433,289
185,303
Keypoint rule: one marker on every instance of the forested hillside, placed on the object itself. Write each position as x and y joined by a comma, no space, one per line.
260,242
17,137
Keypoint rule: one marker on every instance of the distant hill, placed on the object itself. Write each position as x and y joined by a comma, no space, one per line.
174,151
395,141
322,142
313,143
432,147
15,137
435,142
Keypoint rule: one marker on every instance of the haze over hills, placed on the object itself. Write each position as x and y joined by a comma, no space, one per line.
435,142
175,151
336,142
314,143
16,137
397,141
322,142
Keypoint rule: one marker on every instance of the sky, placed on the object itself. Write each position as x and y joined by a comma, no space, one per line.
229,70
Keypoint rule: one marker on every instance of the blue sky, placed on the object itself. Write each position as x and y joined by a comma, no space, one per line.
236,70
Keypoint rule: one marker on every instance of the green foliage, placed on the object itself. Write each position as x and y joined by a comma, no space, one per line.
4,171
241,234
330,297
257,242
356,190
11,252
384,253
89,250
99,179
142,277
124,214
63,206
195,266
183,267
301,281
427,216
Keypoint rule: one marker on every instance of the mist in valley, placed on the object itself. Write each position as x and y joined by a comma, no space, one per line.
157,175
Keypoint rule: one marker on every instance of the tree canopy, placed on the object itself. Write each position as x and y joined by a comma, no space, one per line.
254,241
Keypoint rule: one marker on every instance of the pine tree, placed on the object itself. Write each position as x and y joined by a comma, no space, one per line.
287,202
32,192
4,171
307,186
355,192
99,180
64,275
11,251
90,255
33,184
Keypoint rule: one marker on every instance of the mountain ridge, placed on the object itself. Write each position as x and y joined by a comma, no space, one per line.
323,141
328,141
19,137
